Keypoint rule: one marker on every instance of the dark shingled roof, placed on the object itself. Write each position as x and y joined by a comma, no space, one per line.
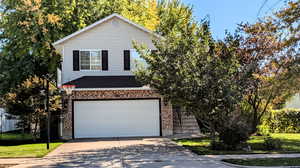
105,82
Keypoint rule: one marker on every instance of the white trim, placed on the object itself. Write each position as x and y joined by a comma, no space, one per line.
88,49
92,89
63,54
102,21
62,64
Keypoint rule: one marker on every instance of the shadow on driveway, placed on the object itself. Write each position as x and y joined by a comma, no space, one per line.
126,153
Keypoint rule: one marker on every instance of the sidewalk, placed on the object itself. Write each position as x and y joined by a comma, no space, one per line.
12,161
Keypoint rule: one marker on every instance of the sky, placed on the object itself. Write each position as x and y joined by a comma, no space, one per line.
226,14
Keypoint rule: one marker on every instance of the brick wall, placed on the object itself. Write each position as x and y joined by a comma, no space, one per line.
166,108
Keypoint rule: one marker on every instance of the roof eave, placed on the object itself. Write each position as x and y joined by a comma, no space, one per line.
102,21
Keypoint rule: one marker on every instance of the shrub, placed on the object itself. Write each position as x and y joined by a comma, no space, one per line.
233,136
271,143
263,130
217,145
233,130
282,121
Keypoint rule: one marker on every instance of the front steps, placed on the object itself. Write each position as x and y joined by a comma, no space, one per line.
185,124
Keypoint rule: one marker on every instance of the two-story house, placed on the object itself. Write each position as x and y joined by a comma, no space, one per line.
107,100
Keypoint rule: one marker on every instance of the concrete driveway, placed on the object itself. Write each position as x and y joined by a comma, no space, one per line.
121,153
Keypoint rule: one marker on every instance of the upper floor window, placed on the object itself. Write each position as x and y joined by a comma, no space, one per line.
137,60
90,59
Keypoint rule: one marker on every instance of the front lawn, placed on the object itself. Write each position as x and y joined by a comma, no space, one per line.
265,162
291,144
26,150
14,145
15,137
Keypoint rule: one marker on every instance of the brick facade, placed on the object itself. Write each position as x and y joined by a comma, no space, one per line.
166,108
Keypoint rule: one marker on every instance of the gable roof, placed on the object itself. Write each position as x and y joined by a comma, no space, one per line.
102,21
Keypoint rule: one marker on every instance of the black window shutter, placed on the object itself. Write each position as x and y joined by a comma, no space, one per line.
75,60
154,51
104,60
126,60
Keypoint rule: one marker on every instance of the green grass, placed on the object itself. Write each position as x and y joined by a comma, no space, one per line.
291,144
14,136
27,150
265,162
8,150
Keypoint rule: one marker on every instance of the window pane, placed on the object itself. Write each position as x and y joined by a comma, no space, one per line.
137,60
85,67
95,67
84,60
95,60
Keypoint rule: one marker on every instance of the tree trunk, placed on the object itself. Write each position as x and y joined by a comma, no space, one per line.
254,122
34,132
212,131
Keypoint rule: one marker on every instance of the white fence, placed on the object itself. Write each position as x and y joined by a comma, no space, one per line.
5,123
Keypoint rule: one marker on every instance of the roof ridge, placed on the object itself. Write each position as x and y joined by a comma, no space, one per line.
100,22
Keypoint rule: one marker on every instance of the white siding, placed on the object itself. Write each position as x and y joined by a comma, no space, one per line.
6,124
114,35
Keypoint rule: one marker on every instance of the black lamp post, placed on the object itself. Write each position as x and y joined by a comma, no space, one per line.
45,93
49,114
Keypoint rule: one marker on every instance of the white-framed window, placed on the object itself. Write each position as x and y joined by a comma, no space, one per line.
90,60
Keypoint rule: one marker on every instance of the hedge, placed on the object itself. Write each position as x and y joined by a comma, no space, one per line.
281,121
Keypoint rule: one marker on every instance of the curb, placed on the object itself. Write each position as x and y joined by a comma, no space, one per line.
242,166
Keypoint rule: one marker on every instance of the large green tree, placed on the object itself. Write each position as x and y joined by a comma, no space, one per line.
173,16
205,77
274,41
28,30
227,84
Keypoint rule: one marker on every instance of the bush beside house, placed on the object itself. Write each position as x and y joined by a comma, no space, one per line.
281,121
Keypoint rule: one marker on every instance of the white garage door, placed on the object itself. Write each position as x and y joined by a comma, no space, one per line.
116,118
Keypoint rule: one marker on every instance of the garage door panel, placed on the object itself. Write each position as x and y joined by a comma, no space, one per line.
116,118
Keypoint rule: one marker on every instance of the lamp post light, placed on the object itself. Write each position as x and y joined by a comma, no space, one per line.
45,94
